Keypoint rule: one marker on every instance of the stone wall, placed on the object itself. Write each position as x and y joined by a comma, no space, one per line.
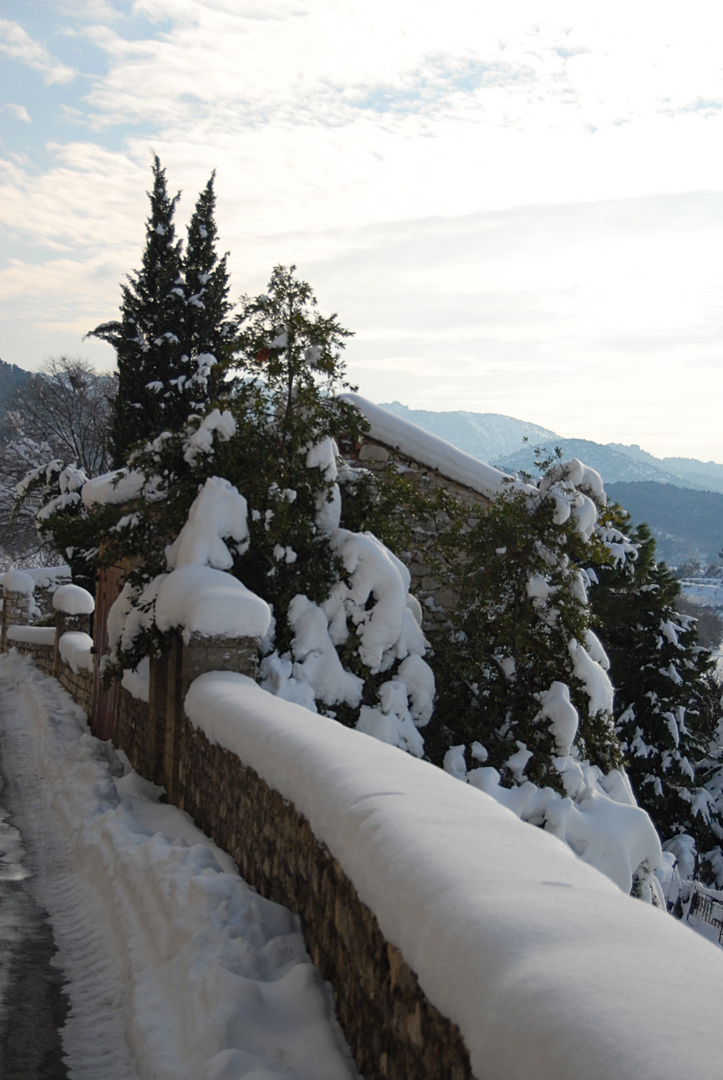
393,1031
132,733
43,655
78,684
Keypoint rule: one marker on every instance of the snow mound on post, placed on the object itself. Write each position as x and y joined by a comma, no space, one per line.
73,600
200,600
17,581
548,969
75,651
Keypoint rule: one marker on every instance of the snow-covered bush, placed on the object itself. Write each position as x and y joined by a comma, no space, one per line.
521,671
525,708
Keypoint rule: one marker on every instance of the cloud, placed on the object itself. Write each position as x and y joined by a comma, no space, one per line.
16,43
19,112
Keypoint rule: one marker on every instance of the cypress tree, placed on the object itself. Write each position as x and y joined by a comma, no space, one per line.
207,328
148,336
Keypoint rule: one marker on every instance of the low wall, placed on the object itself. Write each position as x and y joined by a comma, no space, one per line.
392,1029
30,642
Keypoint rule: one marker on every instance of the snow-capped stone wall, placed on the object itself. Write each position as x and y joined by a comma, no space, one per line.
391,1026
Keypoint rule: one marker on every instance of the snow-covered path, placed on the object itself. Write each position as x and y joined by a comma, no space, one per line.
175,967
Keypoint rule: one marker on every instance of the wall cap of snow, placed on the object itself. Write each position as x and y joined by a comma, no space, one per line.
507,931
33,635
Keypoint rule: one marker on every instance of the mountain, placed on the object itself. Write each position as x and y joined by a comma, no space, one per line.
613,465
686,524
681,499
707,475
487,436
512,444
11,378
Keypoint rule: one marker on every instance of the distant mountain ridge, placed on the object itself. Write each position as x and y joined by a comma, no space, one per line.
680,498
11,377
500,440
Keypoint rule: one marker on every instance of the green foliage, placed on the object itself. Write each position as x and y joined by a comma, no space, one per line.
659,673
522,603
271,438
207,328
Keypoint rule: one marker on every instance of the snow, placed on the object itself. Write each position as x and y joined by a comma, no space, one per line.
546,966
217,512
323,456
562,714
113,488
73,600
75,650
374,574
200,600
430,450
137,682
175,968
201,441
17,581
316,660
46,577
592,674
32,635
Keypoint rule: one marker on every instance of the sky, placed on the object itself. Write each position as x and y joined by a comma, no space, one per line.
517,208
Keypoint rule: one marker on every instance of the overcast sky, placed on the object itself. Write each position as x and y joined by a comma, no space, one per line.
517,207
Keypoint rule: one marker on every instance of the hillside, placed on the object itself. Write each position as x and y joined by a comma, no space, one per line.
11,377
686,524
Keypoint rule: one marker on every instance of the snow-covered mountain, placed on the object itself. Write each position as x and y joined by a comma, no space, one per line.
680,498
512,444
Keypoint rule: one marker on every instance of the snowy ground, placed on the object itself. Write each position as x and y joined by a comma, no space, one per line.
175,967
706,591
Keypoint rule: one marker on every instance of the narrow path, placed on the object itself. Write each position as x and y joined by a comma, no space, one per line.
174,968
47,1033
33,1004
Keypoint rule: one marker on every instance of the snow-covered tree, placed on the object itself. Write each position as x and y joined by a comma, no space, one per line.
522,675
252,489
207,330
59,420
173,323
658,671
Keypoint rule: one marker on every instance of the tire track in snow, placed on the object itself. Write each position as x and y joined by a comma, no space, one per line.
93,1037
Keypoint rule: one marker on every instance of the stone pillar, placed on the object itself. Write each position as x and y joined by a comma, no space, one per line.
74,607
17,600
171,675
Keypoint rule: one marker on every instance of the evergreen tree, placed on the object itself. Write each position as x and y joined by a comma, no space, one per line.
519,653
659,672
148,337
208,330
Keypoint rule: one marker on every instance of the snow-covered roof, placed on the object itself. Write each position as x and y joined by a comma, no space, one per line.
427,449
548,969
